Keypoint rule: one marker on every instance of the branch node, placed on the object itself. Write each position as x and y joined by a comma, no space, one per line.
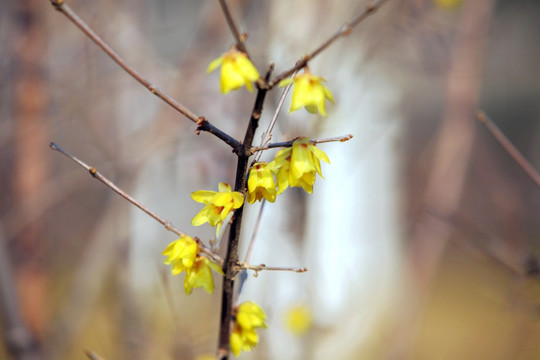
92,171
481,116
346,29
57,4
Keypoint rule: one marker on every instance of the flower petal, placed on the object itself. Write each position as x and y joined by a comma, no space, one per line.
203,196
214,64
224,187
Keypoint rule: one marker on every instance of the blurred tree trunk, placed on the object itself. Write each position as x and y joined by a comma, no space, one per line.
448,174
30,100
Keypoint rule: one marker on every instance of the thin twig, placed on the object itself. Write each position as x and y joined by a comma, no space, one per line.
203,123
344,30
290,142
509,147
251,245
267,135
167,224
239,39
262,267
92,355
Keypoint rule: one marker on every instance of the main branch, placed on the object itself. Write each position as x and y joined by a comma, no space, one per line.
231,258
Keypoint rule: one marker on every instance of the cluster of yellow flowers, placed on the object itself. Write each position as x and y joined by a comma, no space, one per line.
184,255
237,70
294,166
249,316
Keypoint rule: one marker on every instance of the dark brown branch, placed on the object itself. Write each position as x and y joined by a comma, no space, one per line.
205,125
239,39
231,257
344,30
509,147
167,224
75,19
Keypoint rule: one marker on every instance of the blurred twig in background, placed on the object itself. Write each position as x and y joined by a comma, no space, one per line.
509,147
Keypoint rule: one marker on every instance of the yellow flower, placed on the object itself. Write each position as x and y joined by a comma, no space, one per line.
448,4
297,165
218,205
261,183
184,255
249,317
309,92
181,254
299,320
200,274
236,71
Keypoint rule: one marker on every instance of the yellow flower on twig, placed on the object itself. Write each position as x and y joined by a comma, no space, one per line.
181,254
184,255
236,71
309,92
261,183
298,165
249,316
200,275
218,205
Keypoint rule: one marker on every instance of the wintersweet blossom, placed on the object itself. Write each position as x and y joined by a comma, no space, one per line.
299,320
218,205
448,4
200,275
298,165
181,254
184,255
249,317
236,71
309,92
261,183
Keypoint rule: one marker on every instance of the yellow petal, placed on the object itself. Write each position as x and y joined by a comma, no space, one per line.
230,78
236,343
328,94
214,64
238,199
286,82
301,159
312,109
201,217
203,196
247,69
224,187
319,154
216,268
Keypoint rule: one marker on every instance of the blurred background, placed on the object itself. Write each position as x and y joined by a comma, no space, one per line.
421,242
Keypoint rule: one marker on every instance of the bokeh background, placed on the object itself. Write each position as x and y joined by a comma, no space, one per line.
421,242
